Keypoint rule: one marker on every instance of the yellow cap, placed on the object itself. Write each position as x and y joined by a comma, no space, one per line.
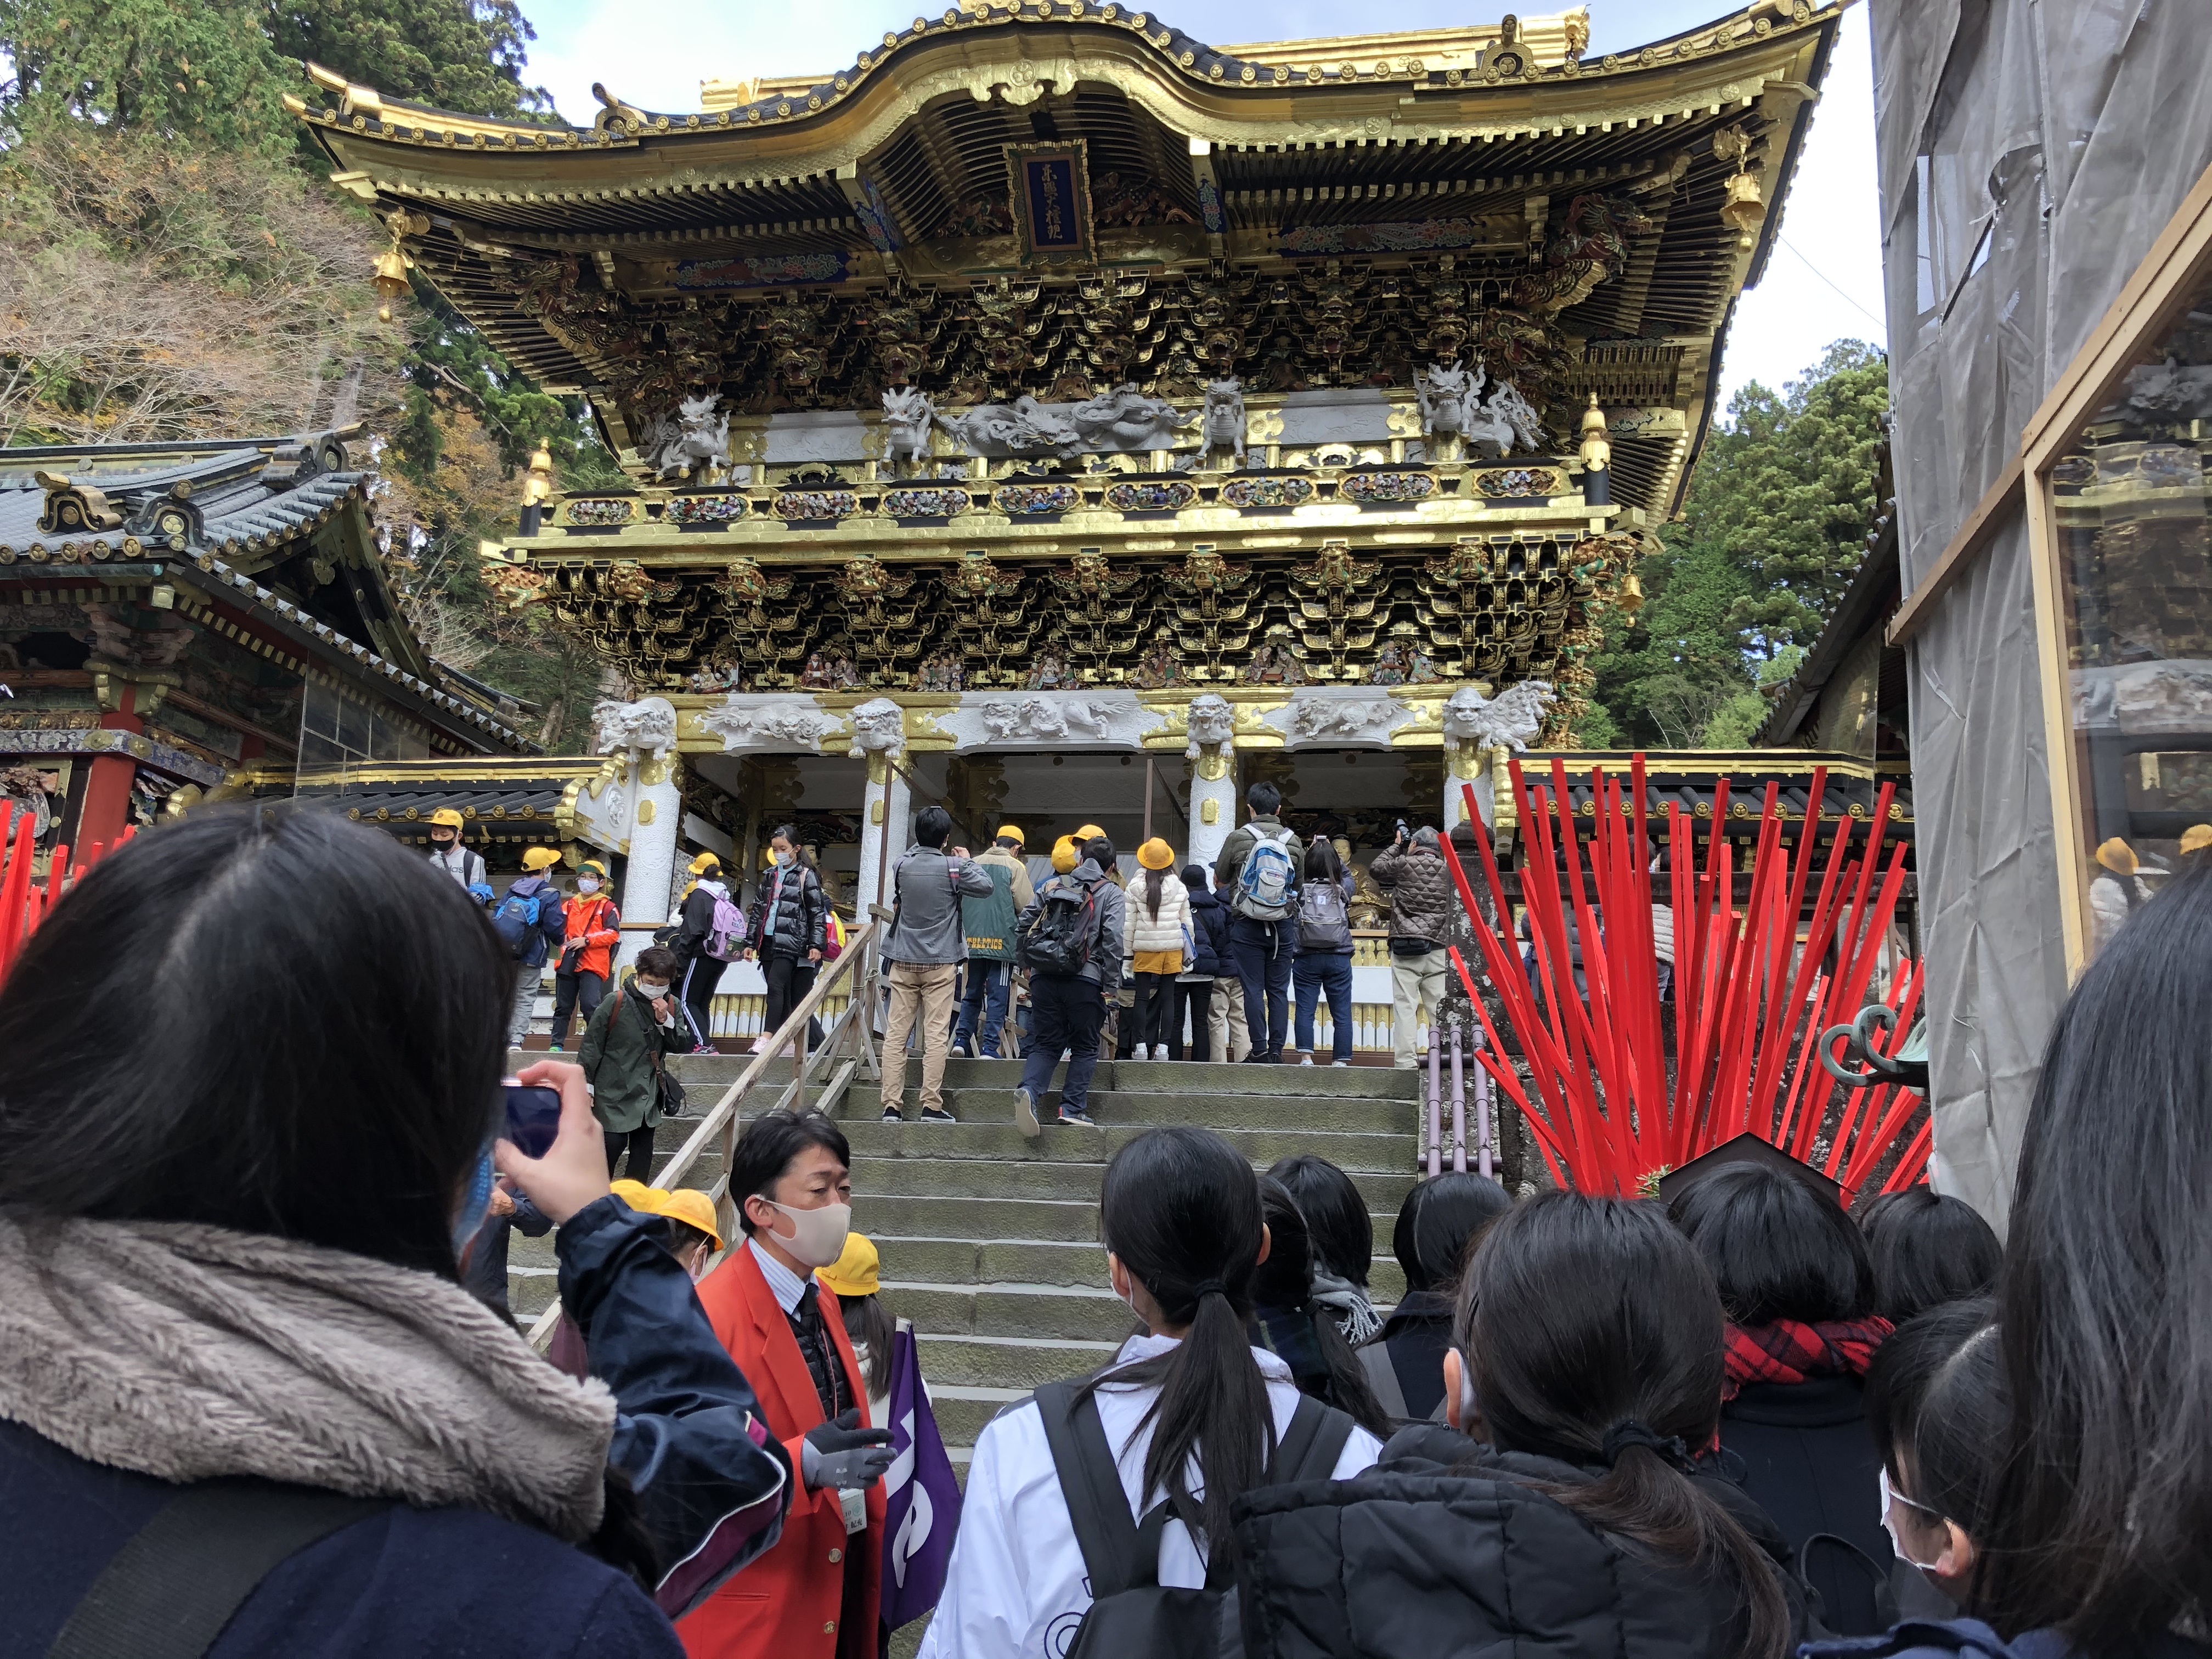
705,862
1089,832
1063,854
1011,832
2118,856
447,817
856,1272
1156,854
2196,835
695,1209
540,858
592,867
686,1204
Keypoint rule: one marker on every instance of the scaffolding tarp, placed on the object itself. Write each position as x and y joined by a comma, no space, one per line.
2030,155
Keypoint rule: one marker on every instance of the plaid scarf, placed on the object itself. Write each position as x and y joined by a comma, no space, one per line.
1793,1351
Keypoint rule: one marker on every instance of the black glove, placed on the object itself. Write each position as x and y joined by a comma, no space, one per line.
840,1453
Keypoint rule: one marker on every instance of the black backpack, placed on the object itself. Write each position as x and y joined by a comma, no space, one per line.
1131,1613
1059,937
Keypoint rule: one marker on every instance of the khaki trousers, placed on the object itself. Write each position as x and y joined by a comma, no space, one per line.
1229,1038
1416,986
927,987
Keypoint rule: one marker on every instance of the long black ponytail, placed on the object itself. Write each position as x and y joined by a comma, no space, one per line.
1302,1332
1180,1208
1591,1333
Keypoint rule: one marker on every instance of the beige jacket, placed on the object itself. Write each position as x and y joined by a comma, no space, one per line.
1025,890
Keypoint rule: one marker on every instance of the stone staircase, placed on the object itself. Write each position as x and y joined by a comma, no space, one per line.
989,1241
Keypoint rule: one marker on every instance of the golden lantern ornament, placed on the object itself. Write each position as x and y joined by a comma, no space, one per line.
390,279
1743,211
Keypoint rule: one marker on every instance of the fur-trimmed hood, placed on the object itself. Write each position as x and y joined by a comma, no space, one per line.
187,1352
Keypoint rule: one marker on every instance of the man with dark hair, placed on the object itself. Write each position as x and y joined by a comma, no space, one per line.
1257,877
925,948
790,1179
1068,1003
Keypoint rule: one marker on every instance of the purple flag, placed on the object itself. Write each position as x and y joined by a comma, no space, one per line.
922,1498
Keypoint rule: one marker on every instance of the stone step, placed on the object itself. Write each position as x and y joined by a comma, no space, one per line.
712,1072
1064,1172
1325,1115
962,1410
1006,1362
1061,1312
1002,1142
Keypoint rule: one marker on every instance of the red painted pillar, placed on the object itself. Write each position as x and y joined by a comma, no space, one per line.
105,803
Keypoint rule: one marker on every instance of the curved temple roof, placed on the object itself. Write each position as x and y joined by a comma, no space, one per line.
807,245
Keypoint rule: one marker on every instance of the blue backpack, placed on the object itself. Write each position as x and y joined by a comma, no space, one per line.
515,917
1267,886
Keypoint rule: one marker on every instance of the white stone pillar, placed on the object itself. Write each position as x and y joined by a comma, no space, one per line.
1212,808
1463,765
879,737
644,733
885,832
1213,754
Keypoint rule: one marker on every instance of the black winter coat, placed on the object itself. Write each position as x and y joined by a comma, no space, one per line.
802,915
1416,1558
1808,1458
1209,936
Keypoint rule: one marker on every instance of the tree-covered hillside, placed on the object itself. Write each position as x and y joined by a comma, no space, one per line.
173,263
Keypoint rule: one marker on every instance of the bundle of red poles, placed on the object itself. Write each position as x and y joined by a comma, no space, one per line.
1752,992
23,906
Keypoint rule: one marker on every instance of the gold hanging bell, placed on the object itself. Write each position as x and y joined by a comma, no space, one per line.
389,276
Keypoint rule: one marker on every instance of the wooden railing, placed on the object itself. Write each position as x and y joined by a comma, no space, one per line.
848,1050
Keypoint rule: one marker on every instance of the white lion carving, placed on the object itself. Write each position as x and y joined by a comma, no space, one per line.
648,723
1224,418
908,414
879,727
1317,717
1452,406
676,445
1212,724
798,725
1512,718
1446,394
1503,420
1049,717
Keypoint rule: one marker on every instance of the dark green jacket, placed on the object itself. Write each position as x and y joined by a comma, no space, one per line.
618,1060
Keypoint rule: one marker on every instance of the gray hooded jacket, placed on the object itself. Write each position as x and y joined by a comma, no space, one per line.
1104,968
929,888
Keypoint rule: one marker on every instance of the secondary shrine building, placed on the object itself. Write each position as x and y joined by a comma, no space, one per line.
1058,416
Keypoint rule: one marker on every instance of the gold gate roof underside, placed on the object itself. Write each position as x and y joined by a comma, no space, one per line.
1312,225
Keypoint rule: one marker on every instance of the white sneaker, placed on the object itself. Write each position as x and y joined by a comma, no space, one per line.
1305,1060
1339,1062
760,1046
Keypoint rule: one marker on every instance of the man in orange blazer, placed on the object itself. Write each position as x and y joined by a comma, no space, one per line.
813,1595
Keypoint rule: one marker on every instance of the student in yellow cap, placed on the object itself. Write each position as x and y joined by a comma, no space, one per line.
855,1277
2116,893
1063,855
989,925
591,927
1159,944
527,918
446,852
710,934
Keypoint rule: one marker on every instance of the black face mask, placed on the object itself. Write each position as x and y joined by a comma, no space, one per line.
441,845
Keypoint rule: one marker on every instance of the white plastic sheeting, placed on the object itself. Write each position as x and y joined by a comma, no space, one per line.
2032,150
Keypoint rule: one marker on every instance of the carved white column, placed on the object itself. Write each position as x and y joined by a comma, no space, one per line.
879,736
644,733
1466,763
1212,752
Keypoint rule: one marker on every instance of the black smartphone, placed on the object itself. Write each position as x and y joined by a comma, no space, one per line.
533,1117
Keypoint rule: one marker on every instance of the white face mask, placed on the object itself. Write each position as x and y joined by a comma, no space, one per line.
784,859
587,884
647,988
1891,1495
819,1238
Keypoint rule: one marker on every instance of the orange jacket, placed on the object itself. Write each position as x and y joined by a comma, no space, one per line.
786,1604
597,922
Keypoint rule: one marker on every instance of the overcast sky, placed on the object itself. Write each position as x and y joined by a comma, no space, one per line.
1823,282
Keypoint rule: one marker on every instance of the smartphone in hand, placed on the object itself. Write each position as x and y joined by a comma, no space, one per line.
533,1117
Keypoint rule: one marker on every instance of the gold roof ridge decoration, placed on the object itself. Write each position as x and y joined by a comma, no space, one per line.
1297,67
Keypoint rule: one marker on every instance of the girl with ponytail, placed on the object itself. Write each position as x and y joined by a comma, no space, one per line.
1567,1508
1191,1413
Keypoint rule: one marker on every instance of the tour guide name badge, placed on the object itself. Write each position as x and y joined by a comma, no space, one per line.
1051,201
